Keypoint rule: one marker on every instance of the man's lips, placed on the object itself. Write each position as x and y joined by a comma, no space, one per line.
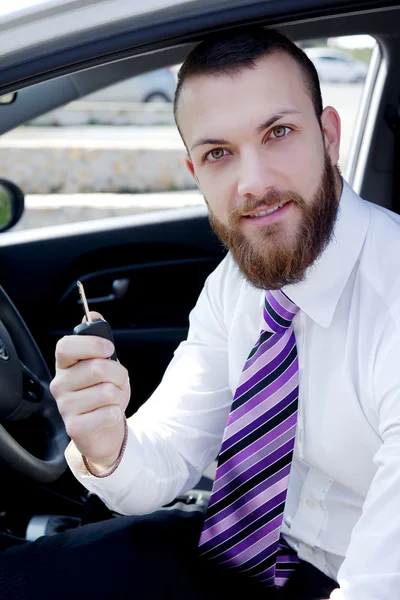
271,209
250,220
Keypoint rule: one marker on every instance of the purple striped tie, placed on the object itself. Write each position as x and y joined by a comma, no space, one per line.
244,517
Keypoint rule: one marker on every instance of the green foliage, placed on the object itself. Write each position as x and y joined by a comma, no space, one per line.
5,207
363,54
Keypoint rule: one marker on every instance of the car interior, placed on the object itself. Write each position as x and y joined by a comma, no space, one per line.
124,262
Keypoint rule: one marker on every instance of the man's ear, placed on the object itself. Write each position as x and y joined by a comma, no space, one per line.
331,127
190,167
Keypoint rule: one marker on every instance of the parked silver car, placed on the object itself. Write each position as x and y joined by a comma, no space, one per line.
155,86
334,65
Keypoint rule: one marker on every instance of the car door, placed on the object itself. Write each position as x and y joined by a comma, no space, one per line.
333,68
142,273
347,69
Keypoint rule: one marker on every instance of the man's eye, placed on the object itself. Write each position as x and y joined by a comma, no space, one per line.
216,154
280,131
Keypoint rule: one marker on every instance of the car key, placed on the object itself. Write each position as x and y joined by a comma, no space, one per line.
97,327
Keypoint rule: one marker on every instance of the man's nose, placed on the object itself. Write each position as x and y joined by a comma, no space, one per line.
254,176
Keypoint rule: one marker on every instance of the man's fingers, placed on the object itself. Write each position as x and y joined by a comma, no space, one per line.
73,348
91,423
74,405
86,373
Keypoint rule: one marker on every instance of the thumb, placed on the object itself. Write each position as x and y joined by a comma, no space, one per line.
93,315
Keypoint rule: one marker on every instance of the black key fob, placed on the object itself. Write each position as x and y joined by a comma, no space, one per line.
97,327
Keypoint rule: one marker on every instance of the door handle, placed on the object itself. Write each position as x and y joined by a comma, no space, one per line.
119,289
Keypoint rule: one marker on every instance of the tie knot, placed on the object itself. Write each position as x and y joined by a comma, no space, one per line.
279,311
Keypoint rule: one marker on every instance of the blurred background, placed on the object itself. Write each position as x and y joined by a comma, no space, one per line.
118,152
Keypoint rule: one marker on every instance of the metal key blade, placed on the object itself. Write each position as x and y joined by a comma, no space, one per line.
84,301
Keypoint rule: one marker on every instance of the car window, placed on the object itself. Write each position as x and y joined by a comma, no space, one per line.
117,151
114,152
342,89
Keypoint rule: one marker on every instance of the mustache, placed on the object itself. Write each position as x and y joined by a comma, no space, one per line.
271,199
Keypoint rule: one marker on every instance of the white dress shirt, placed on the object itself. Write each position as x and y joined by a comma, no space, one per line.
342,512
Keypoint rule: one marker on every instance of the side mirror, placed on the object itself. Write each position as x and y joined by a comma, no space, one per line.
11,204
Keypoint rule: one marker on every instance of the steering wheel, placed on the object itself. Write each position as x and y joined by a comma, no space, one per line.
25,398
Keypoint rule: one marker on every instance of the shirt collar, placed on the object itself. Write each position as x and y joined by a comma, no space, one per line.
318,295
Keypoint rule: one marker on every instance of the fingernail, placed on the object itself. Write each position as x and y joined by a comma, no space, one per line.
115,413
108,347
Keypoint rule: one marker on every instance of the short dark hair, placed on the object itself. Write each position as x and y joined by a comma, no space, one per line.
235,50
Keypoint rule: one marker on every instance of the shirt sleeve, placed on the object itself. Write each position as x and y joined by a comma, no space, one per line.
177,433
371,569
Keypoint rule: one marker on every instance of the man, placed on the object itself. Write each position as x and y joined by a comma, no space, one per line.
289,372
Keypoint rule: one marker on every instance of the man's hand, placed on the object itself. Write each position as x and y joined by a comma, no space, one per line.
92,394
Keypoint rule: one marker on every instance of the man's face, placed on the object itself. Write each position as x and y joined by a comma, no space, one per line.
257,151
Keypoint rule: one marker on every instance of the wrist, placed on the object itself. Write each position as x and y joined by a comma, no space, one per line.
105,469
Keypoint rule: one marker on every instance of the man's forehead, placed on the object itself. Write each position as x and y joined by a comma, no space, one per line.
274,80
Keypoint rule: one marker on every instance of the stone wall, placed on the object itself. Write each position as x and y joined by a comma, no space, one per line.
63,169
145,156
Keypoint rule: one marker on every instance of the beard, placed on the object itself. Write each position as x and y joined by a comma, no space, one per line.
274,259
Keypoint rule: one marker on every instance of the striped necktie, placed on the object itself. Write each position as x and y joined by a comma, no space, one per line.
245,513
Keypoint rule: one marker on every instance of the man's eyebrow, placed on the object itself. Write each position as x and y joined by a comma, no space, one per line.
276,117
260,129
208,141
